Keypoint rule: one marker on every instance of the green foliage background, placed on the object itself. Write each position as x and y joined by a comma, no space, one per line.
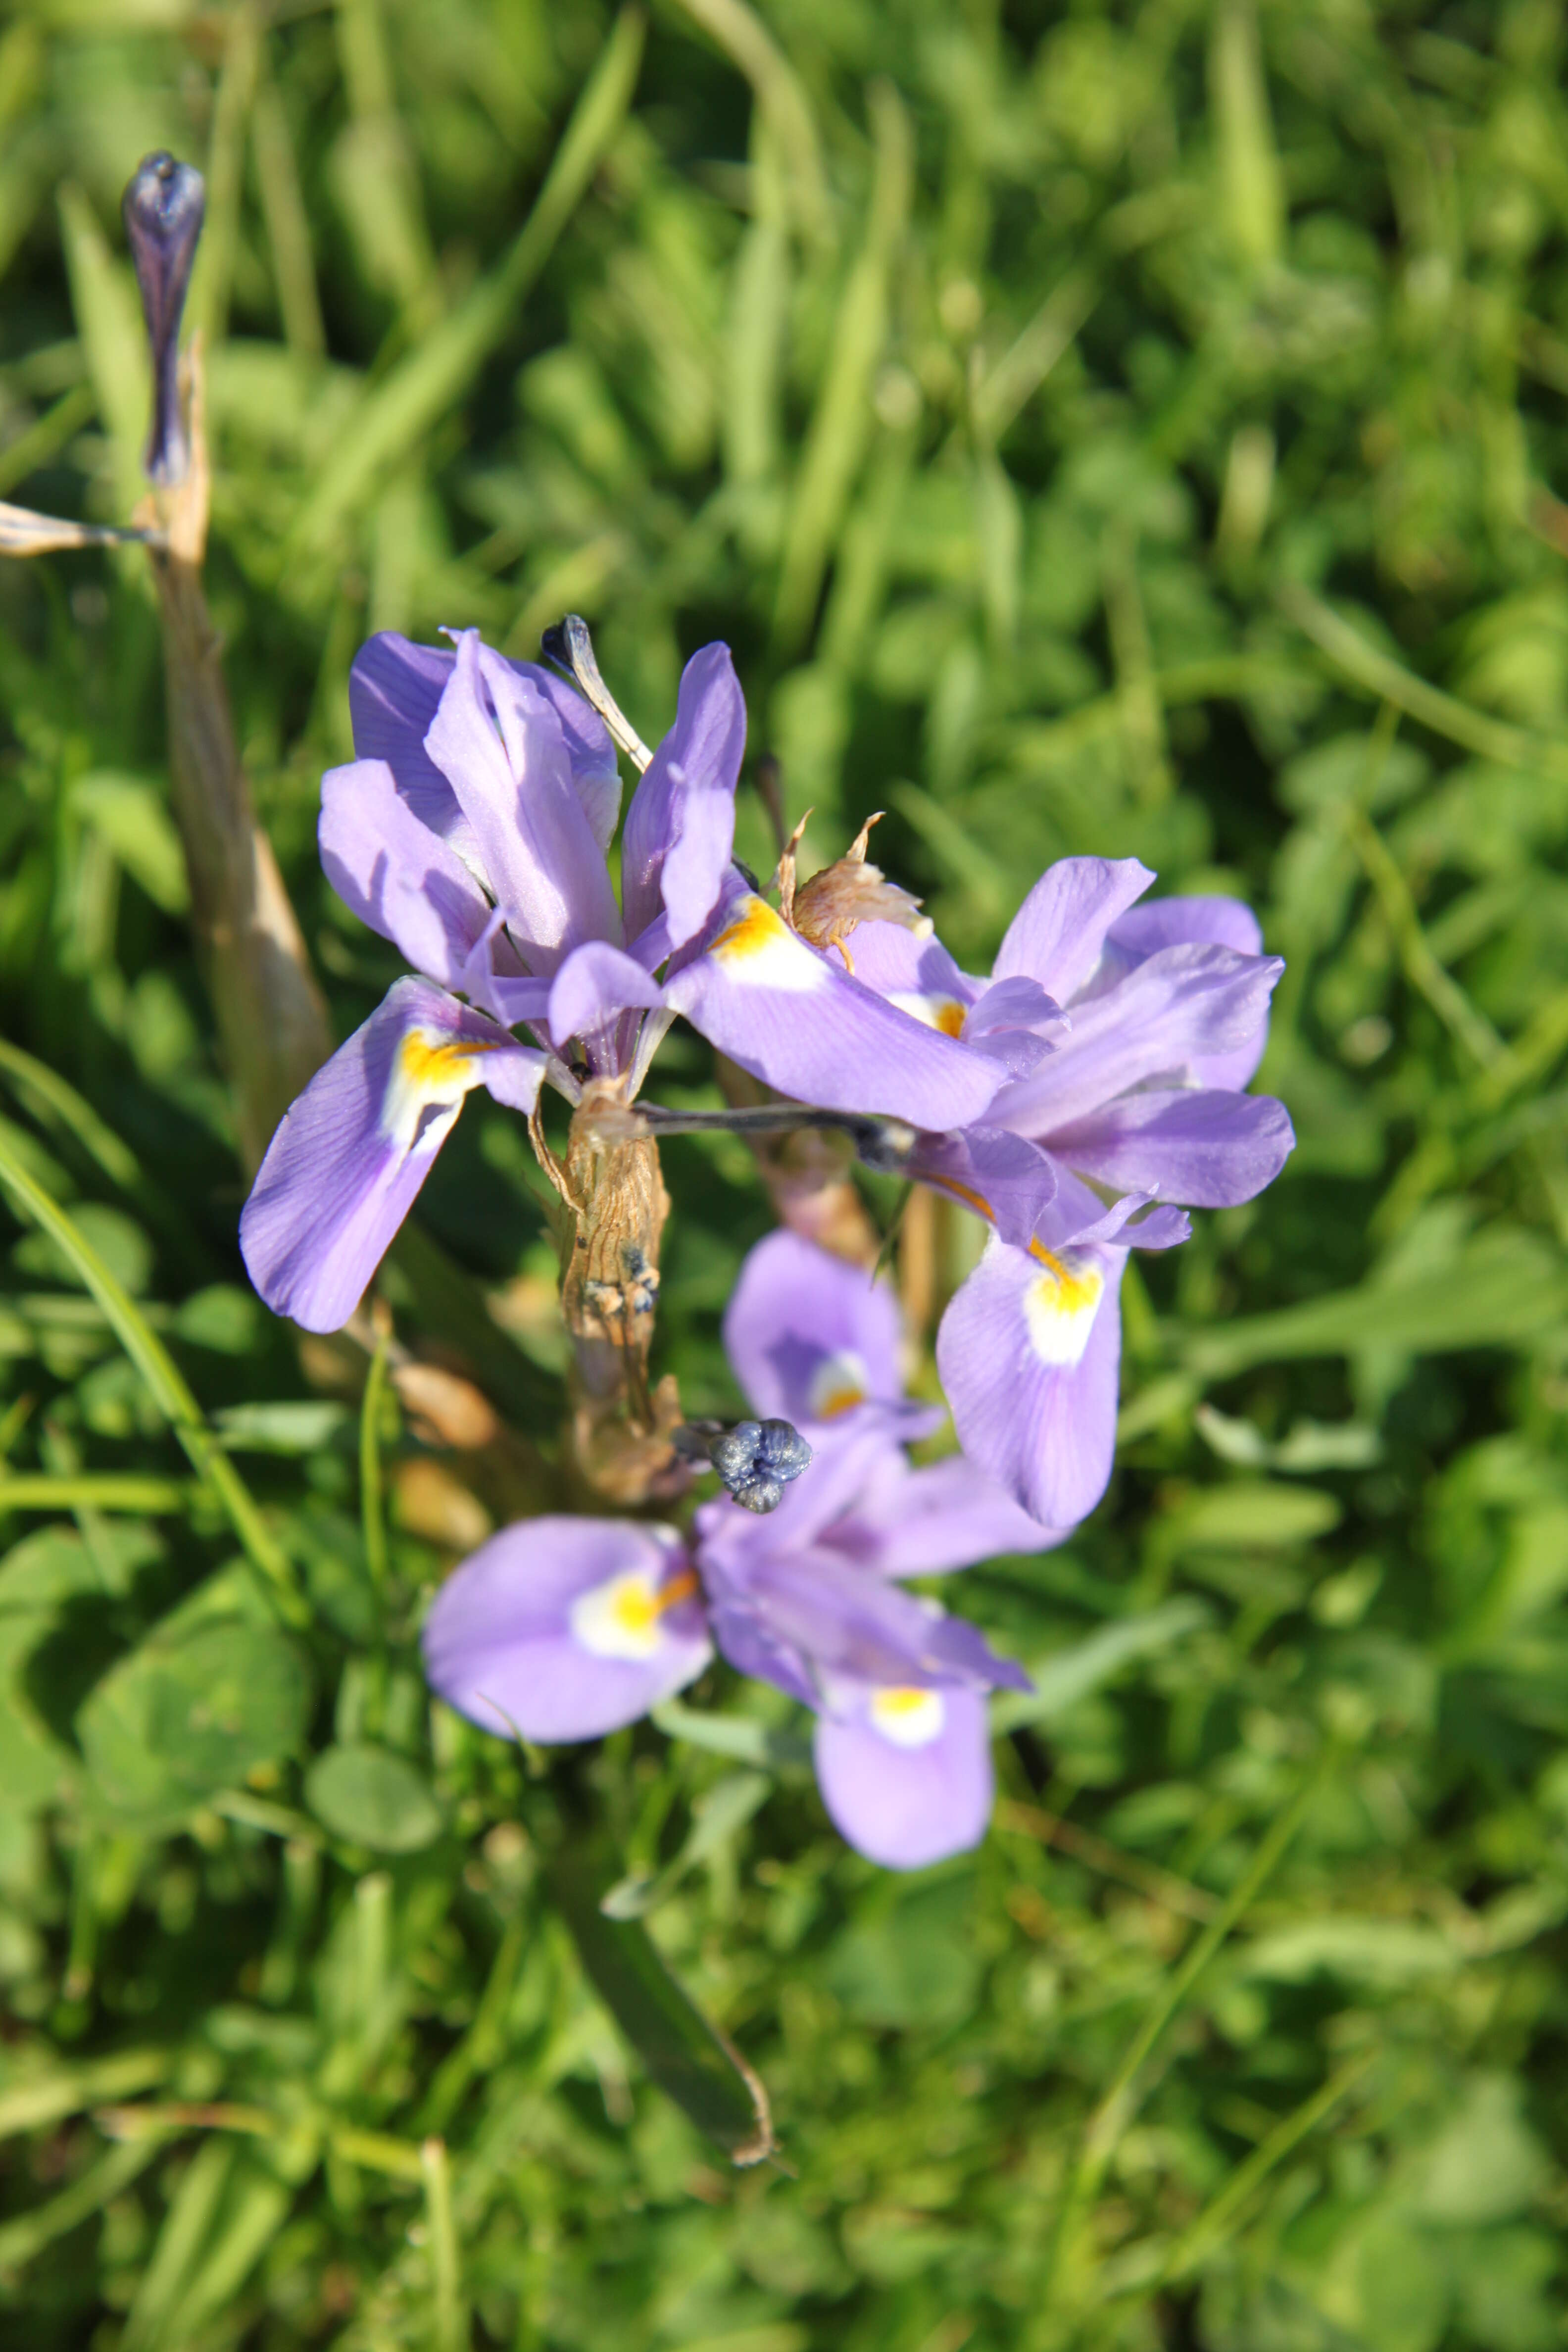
1120,428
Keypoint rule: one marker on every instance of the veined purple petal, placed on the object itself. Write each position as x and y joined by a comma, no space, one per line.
1015,1022
1180,1002
917,974
1208,1149
925,1522
838,1619
498,742
396,876
595,984
1222,922
395,689
1057,933
1011,1020
811,1337
1078,1217
1029,1352
1159,923
348,1158
1002,1177
905,1774
561,1629
794,1018
681,826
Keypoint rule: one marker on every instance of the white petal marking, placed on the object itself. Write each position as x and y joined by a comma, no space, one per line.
1061,1305
909,1717
757,947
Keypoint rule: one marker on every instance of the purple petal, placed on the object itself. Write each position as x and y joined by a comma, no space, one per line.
838,1618
794,1017
925,1522
1028,1354
348,1158
498,742
681,826
1170,922
809,1336
1222,922
1078,1217
1057,933
395,689
399,877
595,984
1182,1003
916,1796
564,1628
917,974
1016,1021
1210,1149
984,1167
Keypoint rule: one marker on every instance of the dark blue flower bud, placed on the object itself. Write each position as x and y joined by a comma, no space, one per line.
757,1459
163,207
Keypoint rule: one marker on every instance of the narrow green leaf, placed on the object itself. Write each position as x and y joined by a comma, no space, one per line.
420,389
716,1818
165,1381
1505,1290
686,2054
1069,1676
736,1736
29,2233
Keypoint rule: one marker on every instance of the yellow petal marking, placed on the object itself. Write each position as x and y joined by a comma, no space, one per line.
1059,1307
620,1618
429,1069
434,1066
909,1717
839,1382
944,1012
758,947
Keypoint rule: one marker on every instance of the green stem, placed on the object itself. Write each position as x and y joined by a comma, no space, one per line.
370,1482
450,2331
373,1522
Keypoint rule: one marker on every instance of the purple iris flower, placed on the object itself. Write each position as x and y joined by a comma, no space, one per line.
1131,1095
473,831
560,1629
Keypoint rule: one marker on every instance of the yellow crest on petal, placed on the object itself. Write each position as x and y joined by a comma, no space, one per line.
622,1618
759,947
1061,1305
909,1717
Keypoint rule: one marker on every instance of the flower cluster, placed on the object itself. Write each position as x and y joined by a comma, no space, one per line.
1079,1100
559,1629
473,831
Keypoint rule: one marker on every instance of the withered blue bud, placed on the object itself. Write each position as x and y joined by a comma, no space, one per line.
163,207
757,1460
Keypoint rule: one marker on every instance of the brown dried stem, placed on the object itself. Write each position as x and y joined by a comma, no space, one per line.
272,1022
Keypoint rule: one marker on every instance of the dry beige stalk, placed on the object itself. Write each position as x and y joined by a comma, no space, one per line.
613,1208
272,1022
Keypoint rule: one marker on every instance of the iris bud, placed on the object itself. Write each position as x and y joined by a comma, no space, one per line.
162,208
757,1459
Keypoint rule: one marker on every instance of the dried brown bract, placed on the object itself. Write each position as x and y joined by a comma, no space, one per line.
851,891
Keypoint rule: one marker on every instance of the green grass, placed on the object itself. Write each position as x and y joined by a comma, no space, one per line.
1122,429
